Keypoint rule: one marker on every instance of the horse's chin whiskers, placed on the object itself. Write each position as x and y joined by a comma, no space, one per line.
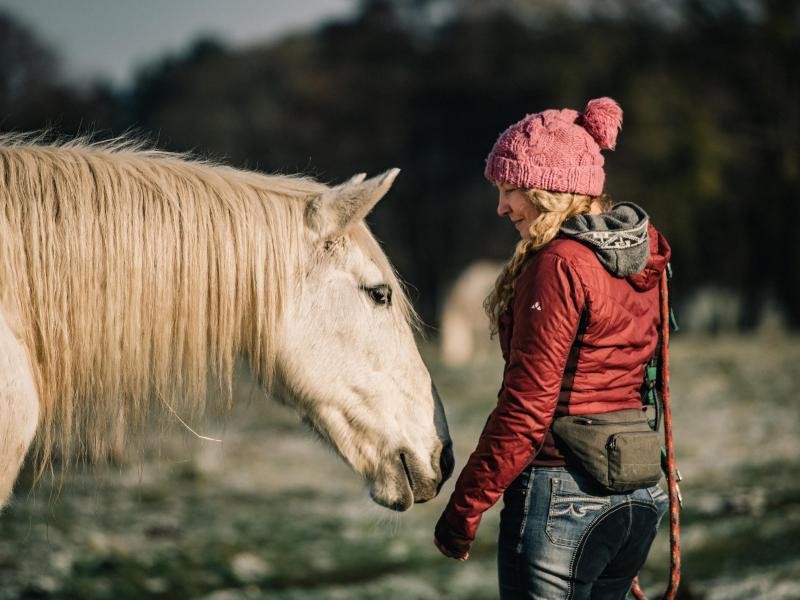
389,521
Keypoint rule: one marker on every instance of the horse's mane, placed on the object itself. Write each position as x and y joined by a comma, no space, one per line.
131,273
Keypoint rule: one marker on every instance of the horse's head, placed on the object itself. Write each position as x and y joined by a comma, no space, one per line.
348,360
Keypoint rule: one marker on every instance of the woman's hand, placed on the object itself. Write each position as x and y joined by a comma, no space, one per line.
447,553
449,544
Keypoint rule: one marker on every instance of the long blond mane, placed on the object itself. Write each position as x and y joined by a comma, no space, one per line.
133,274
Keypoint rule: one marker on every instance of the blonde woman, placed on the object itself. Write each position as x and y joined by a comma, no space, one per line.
577,312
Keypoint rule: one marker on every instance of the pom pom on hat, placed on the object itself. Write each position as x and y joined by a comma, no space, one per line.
602,118
557,150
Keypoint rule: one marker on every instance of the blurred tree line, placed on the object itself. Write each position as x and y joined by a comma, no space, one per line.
710,90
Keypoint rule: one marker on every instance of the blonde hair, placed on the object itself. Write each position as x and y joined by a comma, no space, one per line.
555,208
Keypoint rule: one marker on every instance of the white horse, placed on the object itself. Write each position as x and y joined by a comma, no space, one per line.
129,276
712,309
464,336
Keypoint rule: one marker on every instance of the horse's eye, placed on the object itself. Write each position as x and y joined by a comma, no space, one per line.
380,294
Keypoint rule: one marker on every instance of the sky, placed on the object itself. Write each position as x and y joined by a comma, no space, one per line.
111,38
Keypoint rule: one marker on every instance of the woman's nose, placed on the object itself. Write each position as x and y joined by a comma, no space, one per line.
502,206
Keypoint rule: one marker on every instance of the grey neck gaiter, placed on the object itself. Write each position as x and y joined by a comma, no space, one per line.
618,237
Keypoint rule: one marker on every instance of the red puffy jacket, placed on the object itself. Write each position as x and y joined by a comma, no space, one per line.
575,341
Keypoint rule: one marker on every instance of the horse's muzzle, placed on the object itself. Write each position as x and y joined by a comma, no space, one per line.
424,488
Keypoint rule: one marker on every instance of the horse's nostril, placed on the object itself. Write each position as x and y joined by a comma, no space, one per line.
447,461
407,470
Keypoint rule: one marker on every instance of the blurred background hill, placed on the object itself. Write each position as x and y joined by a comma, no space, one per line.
710,90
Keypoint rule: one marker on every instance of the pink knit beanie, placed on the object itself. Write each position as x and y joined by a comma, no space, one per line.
557,150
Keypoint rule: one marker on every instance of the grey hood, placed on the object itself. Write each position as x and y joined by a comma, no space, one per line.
618,237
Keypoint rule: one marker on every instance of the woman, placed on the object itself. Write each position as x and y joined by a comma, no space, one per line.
577,311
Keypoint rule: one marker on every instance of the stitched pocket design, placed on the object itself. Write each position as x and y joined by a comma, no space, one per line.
570,513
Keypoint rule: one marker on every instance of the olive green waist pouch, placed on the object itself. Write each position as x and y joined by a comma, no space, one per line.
618,449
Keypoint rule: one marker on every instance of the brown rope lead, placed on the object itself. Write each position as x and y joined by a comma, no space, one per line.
673,476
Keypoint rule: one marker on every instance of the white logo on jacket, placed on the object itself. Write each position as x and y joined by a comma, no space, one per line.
536,306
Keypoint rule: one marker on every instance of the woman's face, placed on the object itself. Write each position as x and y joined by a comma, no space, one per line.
514,204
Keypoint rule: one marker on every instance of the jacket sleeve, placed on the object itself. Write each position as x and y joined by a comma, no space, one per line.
548,301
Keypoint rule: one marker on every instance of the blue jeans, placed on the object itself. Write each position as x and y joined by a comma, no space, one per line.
561,536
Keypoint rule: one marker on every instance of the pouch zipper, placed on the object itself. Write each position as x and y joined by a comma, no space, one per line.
586,421
611,444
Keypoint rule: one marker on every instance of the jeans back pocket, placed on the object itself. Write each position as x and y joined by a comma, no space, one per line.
571,511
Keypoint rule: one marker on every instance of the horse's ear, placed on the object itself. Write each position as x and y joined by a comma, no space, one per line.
357,178
336,209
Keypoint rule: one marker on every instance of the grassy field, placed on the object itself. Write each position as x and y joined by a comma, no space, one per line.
271,513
